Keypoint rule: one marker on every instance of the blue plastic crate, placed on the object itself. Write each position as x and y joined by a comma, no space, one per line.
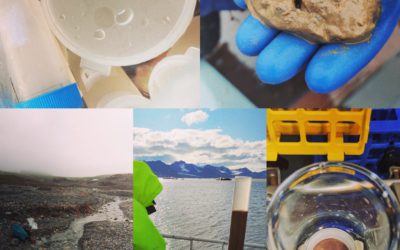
384,134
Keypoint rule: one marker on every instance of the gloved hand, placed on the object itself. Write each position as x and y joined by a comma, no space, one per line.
281,55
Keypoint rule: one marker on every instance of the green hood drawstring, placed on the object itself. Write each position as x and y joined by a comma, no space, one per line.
146,187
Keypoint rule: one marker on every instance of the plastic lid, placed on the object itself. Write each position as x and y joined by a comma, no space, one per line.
119,32
174,81
66,97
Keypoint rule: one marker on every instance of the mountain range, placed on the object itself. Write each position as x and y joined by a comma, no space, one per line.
181,169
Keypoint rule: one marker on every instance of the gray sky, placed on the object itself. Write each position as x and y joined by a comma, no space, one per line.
70,143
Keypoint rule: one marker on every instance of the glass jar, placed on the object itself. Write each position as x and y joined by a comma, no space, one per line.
340,203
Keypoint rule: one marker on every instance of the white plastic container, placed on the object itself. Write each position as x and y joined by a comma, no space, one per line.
7,94
174,83
34,60
241,195
117,33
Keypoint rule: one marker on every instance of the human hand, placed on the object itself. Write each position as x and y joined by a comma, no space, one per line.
328,67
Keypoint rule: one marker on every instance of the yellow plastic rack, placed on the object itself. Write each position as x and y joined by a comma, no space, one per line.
331,132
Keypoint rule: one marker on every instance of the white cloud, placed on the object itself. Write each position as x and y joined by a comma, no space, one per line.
194,117
199,147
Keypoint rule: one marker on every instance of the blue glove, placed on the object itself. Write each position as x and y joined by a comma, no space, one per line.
281,55
208,6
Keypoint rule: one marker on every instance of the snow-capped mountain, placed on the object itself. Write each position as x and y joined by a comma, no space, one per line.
181,169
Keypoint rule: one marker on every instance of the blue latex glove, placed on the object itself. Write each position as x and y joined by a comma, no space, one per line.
281,55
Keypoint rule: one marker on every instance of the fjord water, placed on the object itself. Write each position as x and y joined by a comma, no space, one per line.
202,208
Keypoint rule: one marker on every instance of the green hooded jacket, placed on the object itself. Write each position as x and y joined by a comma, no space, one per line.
146,187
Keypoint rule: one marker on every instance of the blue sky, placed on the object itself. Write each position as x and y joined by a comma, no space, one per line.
234,138
245,124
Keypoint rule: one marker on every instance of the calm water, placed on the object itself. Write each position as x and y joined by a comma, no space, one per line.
202,208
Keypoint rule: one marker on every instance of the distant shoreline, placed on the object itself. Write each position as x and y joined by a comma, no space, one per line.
45,175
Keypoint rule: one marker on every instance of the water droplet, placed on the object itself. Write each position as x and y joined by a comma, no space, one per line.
124,17
166,20
63,17
99,34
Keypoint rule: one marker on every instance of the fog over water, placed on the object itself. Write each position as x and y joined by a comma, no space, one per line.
70,143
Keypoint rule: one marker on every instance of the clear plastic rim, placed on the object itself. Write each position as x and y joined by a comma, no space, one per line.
331,233
322,167
166,62
165,44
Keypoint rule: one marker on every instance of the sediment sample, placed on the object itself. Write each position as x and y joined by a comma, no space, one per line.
320,21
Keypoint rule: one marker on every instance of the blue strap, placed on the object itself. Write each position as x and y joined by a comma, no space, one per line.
66,97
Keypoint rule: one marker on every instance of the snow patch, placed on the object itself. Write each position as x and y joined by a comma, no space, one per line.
236,172
183,168
32,223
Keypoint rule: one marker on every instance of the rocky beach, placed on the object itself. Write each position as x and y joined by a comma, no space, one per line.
66,213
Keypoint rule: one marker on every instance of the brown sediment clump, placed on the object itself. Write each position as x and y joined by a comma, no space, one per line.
320,21
331,244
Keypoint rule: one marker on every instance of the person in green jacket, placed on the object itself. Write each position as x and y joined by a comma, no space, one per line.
146,187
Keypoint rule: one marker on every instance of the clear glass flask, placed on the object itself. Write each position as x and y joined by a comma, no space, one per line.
337,204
